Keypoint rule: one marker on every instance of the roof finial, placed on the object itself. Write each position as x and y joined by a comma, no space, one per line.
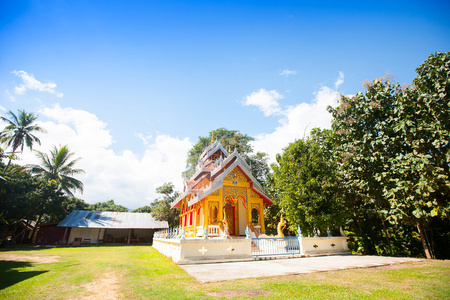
212,138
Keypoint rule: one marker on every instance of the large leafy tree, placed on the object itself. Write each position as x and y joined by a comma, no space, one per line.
307,187
57,211
108,206
259,166
393,142
29,198
59,167
15,204
419,186
143,209
364,126
47,196
19,132
161,210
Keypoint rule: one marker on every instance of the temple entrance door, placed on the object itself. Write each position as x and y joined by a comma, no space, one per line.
229,211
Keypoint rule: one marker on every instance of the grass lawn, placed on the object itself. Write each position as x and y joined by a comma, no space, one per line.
140,272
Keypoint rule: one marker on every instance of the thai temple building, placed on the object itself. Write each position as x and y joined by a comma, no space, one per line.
219,202
222,198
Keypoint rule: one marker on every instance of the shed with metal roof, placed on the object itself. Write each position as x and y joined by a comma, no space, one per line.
94,227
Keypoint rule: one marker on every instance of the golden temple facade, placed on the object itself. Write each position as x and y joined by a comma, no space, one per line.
222,193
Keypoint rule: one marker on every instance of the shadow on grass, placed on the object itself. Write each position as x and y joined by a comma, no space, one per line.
26,248
10,273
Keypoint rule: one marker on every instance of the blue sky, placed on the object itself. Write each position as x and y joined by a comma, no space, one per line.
130,85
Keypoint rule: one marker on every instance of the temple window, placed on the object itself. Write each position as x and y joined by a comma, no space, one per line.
255,216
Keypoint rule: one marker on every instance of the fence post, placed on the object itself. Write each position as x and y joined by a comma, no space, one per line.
300,240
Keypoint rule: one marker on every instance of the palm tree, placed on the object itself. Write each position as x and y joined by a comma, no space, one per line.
19,132
59,167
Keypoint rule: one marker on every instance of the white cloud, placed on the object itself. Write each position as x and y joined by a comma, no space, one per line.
31,83
288,73
144,138
9,96
340,80
128,178
266,101
296,123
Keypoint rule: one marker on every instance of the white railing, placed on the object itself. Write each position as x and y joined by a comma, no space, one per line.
213,230
199,231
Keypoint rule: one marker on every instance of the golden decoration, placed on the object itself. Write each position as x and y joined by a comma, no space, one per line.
236,175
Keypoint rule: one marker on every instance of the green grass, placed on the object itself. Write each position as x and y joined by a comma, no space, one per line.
140,272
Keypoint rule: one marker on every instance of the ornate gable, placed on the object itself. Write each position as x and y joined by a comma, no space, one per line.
237,176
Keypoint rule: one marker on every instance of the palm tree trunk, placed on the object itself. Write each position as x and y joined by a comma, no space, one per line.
7,166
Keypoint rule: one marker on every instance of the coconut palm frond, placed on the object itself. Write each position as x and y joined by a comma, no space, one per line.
58,167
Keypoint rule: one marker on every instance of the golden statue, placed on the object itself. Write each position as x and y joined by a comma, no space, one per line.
280,227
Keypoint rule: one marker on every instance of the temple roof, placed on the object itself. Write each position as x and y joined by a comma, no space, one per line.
212,149
213,173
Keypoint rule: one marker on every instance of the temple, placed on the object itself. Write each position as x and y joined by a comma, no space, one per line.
219,202
222,198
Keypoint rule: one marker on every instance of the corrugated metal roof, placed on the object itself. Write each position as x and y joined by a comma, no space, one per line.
107,219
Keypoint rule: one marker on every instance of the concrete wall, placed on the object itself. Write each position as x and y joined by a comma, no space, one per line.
184,251
324,245
191,251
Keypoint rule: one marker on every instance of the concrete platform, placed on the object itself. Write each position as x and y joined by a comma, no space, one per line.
277,267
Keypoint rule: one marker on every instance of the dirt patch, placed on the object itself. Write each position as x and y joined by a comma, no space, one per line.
250,293
36,259
106,287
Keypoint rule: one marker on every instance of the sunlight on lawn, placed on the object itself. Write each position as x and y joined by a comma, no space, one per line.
140,272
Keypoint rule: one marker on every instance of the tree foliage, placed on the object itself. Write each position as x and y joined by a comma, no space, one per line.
60,168
393,143
161,210
306,183
19,132
56,212
143,209
259,166
15,202
108,206
43,198
29,198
